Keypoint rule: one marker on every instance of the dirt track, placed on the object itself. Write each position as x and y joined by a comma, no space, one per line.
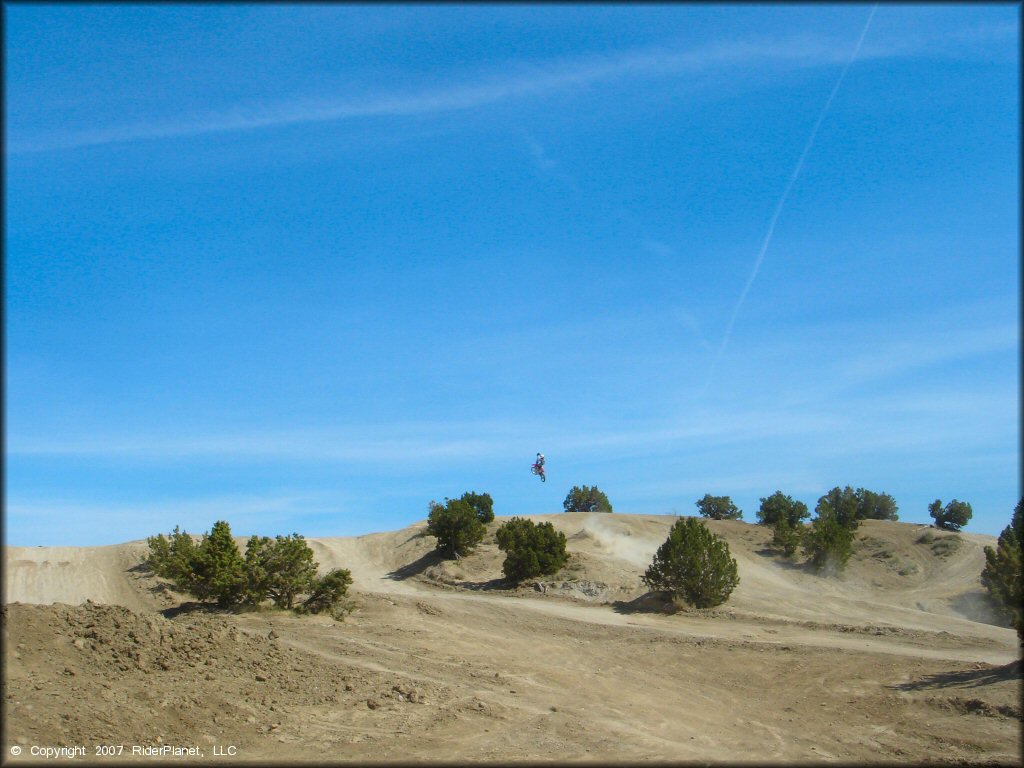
895,660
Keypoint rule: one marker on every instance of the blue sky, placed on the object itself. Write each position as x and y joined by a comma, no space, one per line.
308,267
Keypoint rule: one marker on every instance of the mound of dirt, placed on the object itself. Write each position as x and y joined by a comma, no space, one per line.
975,706
899,573
146,679
606,560
74,574
442,659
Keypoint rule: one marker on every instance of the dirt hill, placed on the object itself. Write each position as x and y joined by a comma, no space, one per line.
897,659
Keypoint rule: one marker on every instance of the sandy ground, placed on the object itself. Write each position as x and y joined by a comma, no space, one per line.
899,659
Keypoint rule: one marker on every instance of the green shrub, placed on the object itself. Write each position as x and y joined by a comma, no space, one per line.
951,517
1003,576
875,506
219,568
327,591
778,506
829,542
173,558
456,525
907,568
694,565
945,545
786,536
159,554
718,508
843,504
482,504
531,549
281,569
586,499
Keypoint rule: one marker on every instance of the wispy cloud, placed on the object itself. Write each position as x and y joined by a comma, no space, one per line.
517,80
344,447
36,519
540,157
689,321
660,249
890,358
426,445
243,505
826,411
547,167
798,483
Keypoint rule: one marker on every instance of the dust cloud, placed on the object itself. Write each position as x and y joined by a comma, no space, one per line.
619,543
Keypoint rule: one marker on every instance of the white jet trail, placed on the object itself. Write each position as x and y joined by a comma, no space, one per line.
782,201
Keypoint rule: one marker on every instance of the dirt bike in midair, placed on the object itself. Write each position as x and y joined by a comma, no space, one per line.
538,467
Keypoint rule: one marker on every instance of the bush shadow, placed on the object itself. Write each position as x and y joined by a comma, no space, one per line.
649,602
420,535
968,678
158,586
491,584
190,608
776,556
416,567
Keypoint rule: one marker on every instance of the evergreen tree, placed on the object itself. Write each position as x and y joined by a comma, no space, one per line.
779,506
694,565
482,504
718,508
843,504
951,517
586,499
219,567
829,542
786,536
456,526
173,558
531,549
281,569
875,506
328,590
1003,576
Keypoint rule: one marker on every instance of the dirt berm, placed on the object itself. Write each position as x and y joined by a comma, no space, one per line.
899,659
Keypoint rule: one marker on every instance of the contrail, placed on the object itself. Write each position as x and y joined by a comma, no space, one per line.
782,202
